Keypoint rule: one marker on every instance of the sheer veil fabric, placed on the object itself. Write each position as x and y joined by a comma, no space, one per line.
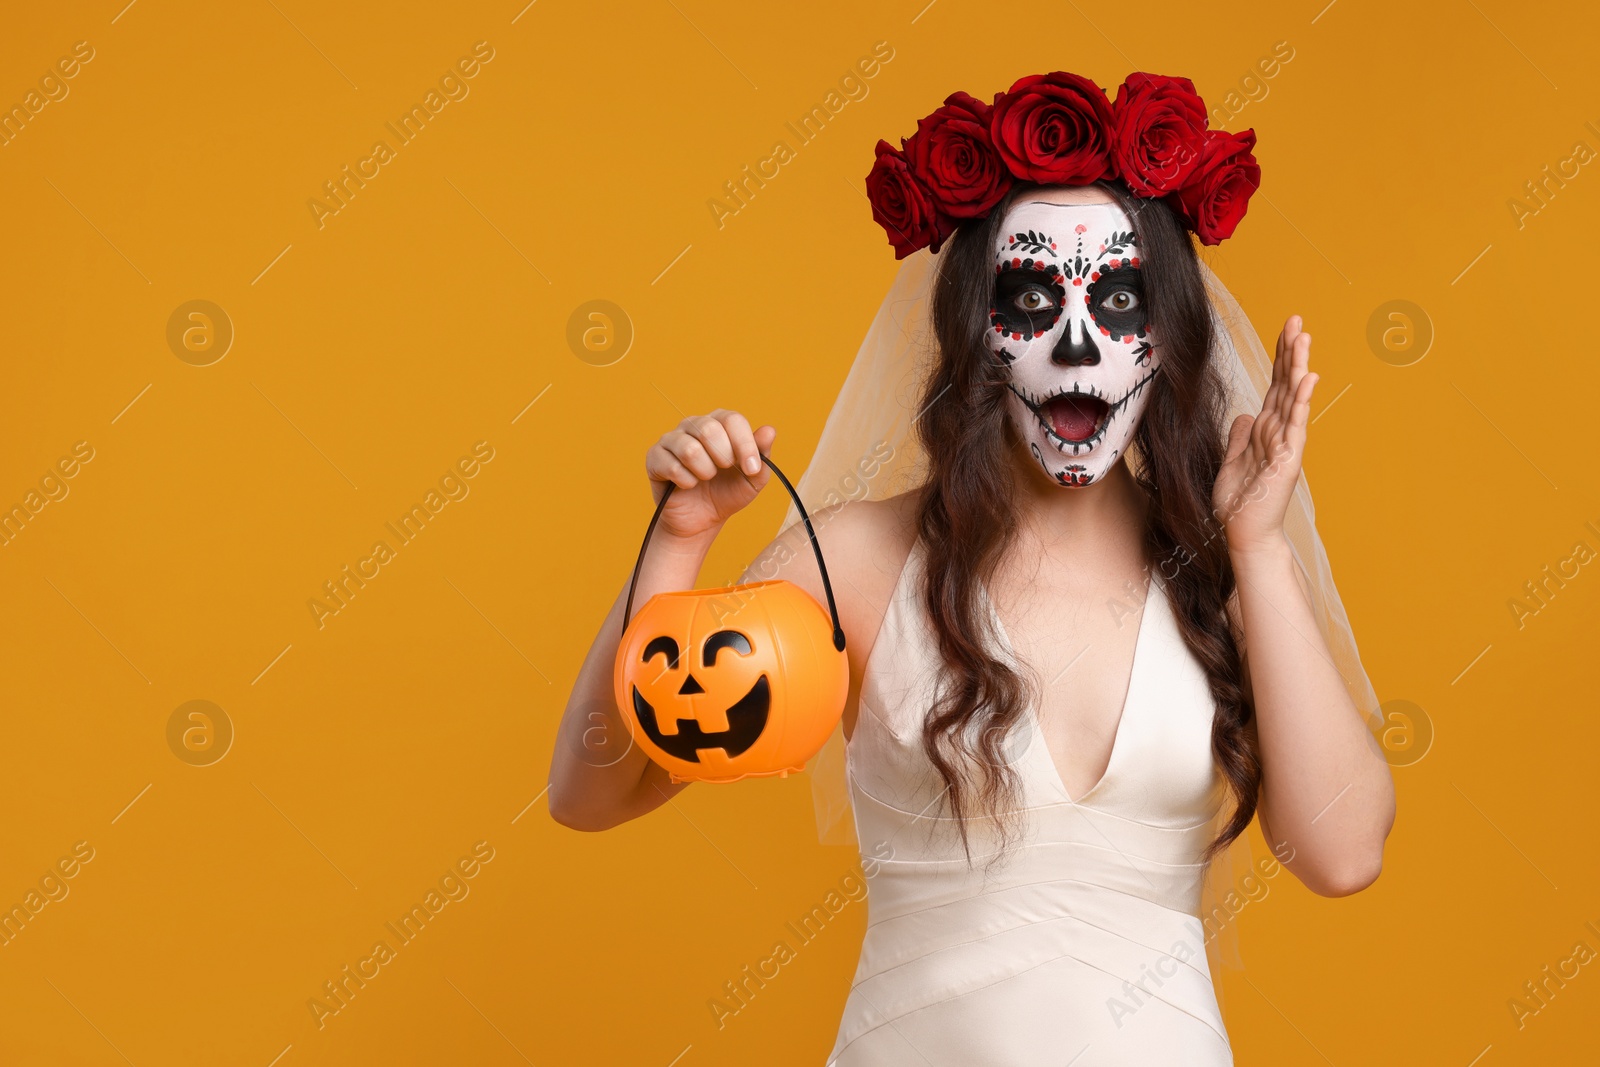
869,450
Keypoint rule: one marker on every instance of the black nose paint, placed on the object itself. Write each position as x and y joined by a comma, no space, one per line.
690,685
1080,353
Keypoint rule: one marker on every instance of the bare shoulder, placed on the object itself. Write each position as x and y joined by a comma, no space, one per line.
865,543
881,529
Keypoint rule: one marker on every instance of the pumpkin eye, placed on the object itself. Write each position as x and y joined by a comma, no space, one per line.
667,647
724,639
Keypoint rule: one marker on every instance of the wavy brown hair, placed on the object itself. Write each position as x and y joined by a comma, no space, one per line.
966,516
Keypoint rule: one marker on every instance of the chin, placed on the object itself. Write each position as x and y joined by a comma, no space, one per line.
1076,435
1070,472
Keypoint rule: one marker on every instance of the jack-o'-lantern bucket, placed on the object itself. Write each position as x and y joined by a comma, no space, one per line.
739,682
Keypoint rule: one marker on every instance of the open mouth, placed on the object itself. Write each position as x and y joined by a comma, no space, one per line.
1076,417
1077,420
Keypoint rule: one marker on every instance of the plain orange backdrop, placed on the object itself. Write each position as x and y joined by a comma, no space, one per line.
373,753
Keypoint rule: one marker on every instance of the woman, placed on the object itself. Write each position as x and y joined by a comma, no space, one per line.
1083,656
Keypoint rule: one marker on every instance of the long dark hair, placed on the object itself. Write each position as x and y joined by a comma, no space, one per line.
967,520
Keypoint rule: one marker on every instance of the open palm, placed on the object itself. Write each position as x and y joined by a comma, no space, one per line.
1262,462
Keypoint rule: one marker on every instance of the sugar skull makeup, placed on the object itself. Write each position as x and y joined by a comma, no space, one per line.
1070,321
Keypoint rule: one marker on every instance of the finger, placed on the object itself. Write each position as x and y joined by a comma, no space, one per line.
1301,359
764,438
1239,435
1272,402
713,435
1287,381
1302,402
691,452
1280,363
1265,431
662,466
1299,367
659,462
743,441
1291,330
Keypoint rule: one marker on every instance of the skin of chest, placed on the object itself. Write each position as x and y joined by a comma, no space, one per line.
1074,625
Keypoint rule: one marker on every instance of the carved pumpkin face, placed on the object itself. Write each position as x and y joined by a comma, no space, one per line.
731,683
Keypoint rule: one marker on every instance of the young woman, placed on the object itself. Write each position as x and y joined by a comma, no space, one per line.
1083,653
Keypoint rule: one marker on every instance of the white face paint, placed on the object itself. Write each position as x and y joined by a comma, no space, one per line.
1070,320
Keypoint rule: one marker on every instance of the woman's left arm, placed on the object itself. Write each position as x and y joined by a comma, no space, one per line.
1327,798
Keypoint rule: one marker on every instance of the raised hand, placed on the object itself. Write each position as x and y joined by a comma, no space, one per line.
1264,451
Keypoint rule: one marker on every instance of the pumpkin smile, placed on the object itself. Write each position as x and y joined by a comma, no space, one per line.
747,718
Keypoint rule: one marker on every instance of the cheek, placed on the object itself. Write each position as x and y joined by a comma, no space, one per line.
1147,350
1021,357
1025,356
1022,421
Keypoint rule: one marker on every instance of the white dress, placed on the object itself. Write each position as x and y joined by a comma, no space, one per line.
1083,945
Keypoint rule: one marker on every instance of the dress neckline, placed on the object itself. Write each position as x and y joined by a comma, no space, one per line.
1153,589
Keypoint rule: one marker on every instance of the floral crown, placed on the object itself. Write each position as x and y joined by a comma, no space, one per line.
1060,129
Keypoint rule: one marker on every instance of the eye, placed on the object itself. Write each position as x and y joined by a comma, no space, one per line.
665,646
724,639
1034,300
1027,301
1121,300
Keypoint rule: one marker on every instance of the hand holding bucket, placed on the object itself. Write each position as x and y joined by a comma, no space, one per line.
738,682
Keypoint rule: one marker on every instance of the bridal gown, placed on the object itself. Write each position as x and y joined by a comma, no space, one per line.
1083,946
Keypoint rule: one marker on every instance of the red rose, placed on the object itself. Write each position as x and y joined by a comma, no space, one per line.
902,206
1054,128
1218,193
952,156
1159,132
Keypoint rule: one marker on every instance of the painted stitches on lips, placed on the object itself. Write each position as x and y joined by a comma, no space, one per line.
1075,420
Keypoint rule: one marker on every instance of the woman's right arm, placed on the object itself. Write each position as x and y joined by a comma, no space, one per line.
598,777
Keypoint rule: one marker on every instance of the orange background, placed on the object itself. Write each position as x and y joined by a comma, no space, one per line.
371,754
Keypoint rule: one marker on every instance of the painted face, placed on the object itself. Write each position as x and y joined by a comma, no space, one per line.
1069,319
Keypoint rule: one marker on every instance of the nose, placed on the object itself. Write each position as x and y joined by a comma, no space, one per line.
690,686
1076,348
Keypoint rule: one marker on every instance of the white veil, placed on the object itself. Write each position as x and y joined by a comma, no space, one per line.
874,417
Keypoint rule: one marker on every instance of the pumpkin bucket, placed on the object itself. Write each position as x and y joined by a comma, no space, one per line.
744,681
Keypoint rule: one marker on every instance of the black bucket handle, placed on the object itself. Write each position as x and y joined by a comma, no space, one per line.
827,587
